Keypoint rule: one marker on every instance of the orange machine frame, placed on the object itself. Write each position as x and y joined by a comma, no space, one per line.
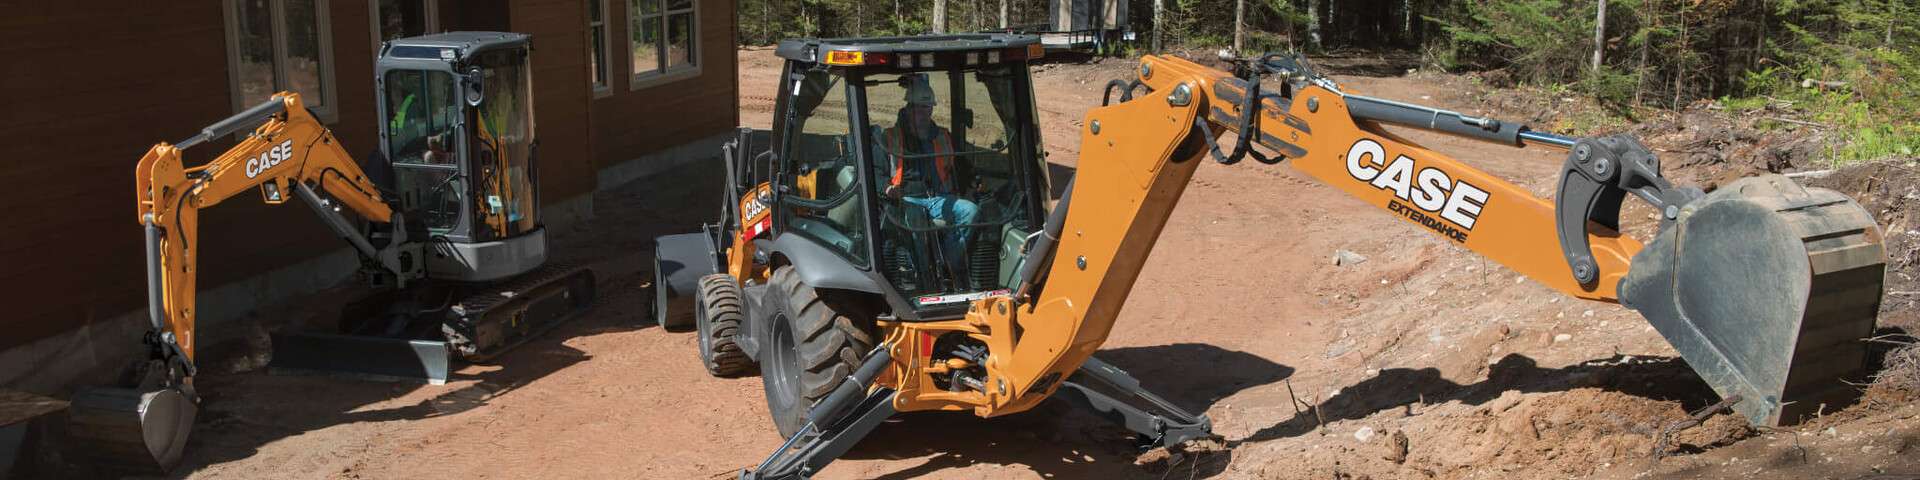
290,148
1147,149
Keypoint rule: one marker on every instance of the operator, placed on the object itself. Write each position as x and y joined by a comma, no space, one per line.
922,155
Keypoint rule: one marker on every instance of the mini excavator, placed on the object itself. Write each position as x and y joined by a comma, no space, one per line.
891,250
453,244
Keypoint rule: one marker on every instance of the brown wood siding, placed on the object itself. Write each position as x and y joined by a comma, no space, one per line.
561,90
630,123
87,87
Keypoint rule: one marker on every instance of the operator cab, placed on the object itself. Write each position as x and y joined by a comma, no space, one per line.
457,129
917,158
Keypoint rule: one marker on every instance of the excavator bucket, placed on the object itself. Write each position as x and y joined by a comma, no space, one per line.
132,430
1767,289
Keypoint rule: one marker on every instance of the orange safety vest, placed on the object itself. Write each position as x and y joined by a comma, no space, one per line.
942,144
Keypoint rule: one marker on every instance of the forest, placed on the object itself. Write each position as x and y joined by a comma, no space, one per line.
1846,65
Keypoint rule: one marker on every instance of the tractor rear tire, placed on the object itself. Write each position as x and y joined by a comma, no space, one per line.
814,344
717,316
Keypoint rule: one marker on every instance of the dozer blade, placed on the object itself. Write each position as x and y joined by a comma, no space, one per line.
131,430
378,358
1767,289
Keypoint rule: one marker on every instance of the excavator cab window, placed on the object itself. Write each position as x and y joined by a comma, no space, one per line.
421,130
955,175
500,142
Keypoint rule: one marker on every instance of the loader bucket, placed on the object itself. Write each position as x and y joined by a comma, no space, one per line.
134,430
1767,289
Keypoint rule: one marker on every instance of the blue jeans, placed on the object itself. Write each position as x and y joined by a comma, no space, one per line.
955,211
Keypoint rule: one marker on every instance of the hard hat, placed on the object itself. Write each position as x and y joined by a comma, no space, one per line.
918,91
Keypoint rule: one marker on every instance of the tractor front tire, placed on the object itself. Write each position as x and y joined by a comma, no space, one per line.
717,316
813,345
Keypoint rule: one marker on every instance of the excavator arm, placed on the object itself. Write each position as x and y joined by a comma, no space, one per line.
288,153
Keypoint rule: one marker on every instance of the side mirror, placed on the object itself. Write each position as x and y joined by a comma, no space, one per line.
471,85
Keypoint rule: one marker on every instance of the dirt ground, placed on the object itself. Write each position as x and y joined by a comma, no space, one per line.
1423,361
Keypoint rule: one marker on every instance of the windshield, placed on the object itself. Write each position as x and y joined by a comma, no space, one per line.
955,171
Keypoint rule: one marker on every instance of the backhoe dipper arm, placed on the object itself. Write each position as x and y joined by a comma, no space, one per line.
288,153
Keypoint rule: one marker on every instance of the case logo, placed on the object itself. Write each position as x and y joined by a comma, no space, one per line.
1457,204
271,158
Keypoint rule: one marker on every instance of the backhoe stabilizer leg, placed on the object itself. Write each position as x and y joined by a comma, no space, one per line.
1111,393
814,447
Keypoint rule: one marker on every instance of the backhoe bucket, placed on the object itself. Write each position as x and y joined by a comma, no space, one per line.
131,430
1767,289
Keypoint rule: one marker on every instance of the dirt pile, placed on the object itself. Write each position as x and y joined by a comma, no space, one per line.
1712,148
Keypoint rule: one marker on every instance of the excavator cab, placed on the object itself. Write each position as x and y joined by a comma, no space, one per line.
919,157
458,139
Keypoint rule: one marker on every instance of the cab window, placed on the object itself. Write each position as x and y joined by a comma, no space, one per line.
821,199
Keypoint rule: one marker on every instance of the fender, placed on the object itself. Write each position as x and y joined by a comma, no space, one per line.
819,266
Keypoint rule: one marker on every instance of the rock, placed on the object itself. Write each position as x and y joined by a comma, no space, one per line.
1342,258
1507,400
1157,460
1363,434
1396,447
1562,337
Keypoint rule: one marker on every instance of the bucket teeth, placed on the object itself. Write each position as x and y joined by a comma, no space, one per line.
1766,288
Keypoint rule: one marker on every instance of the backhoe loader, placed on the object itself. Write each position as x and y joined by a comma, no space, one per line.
453,245
892,249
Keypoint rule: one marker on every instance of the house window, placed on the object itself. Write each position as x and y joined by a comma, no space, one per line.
663,37
403,18
280,45
597,41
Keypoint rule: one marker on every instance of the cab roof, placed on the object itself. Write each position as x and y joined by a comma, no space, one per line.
463,44
808,49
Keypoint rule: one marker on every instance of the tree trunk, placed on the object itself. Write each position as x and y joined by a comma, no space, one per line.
1003,13
1646,38
1599,34
1313,24
1159,24
1680,72
939,16
1239,24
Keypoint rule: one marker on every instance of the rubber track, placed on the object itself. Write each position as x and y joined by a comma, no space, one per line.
478,305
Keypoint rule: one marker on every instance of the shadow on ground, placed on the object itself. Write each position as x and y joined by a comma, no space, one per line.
1057,440
1658,378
